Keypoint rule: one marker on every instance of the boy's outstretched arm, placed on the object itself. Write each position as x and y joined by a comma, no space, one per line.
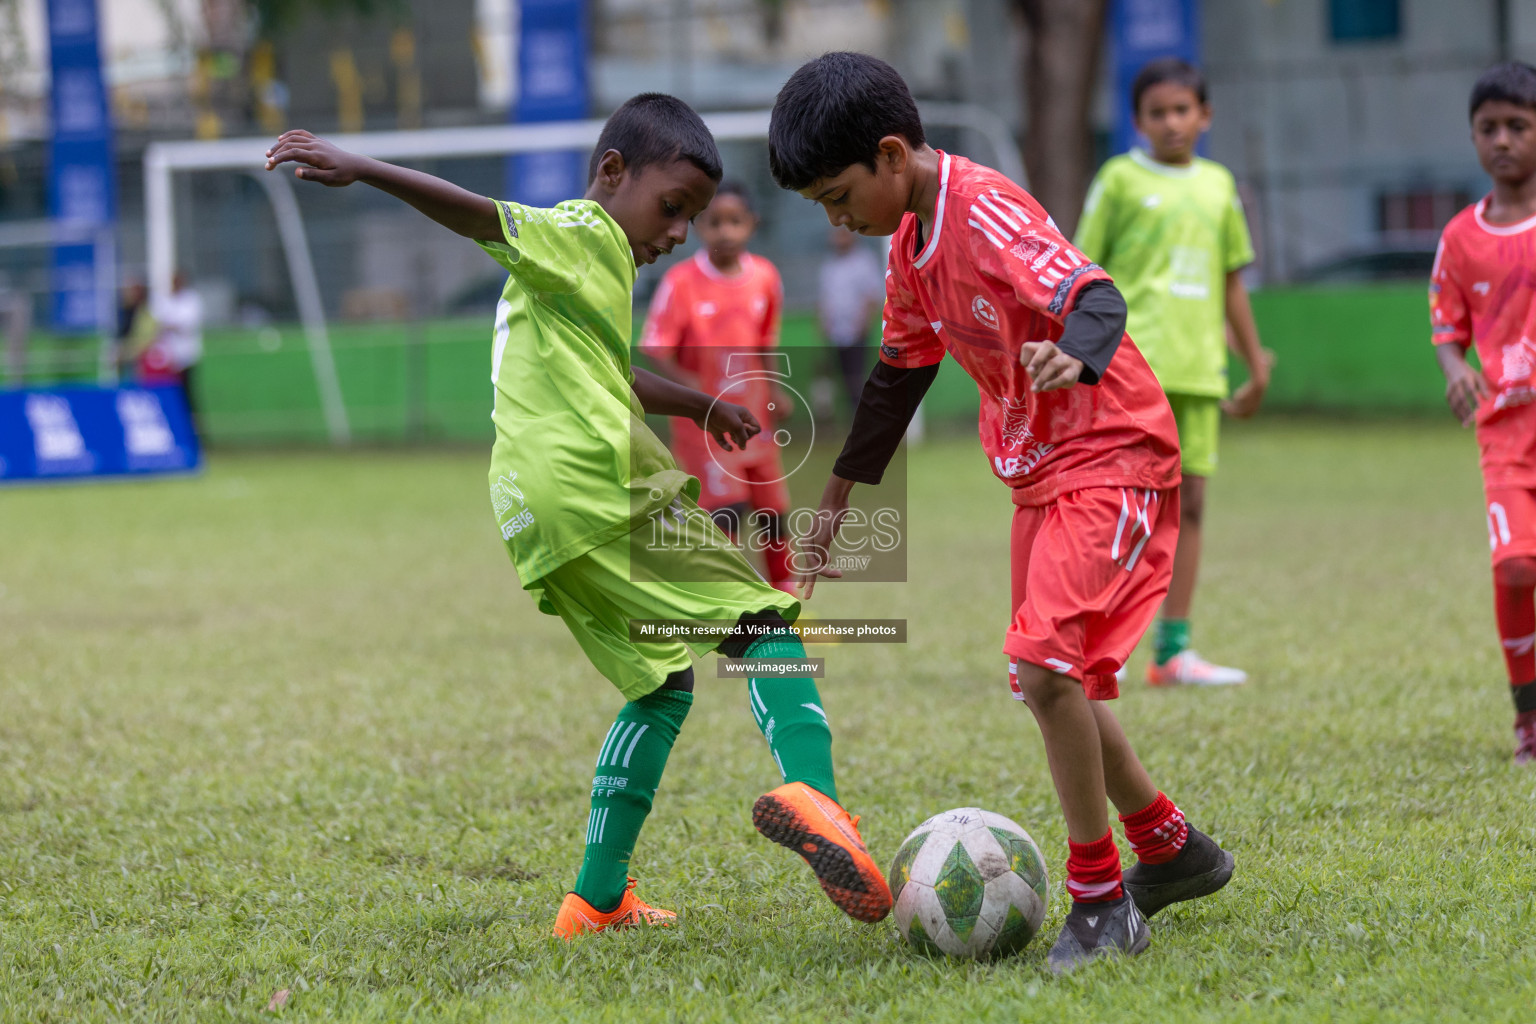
457,209
1245,342
724,421
1465,387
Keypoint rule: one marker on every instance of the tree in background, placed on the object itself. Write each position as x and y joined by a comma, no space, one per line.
1061,61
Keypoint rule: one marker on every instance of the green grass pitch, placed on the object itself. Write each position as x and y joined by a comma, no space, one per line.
292,725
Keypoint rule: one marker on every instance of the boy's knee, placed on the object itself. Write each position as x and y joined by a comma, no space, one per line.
681,680
1515,572
751,627
1042,687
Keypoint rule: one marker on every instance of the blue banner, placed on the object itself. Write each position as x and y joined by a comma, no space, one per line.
1141,31
63,433
82,186
551,86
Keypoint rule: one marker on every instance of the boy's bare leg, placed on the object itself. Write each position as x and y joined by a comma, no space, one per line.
1073,747
1125,780
1172,660
1186,558
1104,919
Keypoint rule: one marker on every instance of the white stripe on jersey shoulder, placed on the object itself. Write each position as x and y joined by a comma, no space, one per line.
1500,229
997,217
1012,213
938,216
995,232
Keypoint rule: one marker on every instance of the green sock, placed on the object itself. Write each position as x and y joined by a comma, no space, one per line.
790,715
629,768
1172,639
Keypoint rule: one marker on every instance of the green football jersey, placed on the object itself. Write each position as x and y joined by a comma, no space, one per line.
574,464
1169,235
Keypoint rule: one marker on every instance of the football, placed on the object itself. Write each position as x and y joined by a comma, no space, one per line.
969,883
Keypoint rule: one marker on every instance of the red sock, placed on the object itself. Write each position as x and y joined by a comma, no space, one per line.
776,556
1156,832
1093,871
1515,609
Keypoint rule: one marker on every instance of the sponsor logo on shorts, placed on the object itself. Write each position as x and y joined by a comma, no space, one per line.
512,519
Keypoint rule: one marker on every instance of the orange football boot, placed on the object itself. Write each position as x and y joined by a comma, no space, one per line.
577,916
817,828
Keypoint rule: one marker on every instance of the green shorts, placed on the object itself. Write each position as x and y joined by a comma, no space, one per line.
637,577
1199,421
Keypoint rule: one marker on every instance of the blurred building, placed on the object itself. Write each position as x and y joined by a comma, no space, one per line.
1346,122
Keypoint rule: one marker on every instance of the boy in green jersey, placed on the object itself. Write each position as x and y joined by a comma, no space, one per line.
1168,226
600,523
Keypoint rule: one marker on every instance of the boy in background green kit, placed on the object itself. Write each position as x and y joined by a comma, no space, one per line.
1168,226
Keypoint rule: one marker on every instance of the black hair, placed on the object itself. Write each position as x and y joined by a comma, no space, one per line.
654,128
1167,69
732,187
1513,82
832,114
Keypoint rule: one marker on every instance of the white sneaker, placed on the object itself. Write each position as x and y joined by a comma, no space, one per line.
1187,668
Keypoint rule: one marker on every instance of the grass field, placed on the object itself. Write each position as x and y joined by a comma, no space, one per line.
292,725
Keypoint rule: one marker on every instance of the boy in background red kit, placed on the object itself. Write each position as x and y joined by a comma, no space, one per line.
711,322
1072,420
1483,292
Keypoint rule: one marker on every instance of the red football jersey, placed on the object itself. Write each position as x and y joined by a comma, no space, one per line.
1482,292
995,274
720,329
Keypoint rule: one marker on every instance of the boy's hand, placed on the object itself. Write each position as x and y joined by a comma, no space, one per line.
1245,401
1048,366
813,550
726,422
319,160
1465,389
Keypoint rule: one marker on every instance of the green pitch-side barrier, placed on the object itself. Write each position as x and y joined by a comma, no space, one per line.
1352,350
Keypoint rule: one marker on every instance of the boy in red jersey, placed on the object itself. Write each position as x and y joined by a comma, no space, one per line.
979,271
1483,292
710,323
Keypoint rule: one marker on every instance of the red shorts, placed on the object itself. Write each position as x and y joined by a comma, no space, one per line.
1089,571
754,476
1511,522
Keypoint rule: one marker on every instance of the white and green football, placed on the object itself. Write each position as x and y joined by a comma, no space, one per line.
969,883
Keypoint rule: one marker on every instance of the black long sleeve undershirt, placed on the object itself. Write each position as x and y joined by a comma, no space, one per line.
1091,333
886,407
